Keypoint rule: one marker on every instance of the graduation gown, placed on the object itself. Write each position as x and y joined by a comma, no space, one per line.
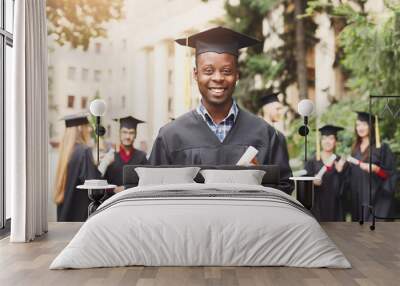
114,170
327,204
80,167
382,188
189,141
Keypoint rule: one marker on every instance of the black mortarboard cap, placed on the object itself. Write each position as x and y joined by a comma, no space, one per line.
75,119
364,116
330,129
219,40
129,122
269,98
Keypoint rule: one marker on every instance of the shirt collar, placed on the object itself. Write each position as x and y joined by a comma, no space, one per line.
125,154
233,112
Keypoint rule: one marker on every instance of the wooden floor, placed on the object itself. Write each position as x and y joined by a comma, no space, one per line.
375,257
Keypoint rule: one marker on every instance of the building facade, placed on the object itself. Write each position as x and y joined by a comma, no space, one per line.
137,69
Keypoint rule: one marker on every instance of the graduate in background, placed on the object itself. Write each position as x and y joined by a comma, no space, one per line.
272,108
329,187
272,114
218,132
75,165
383,170
127,154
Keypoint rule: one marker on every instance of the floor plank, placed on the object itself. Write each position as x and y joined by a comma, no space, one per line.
374,255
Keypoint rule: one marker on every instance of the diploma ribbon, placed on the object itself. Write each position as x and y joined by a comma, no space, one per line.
324,168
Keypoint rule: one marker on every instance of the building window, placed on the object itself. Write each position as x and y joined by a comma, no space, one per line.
108,131
97,75
85,74
109,103
50,70
124,72
124,44
6,62
71,73
123,101
170,77
84,101
97,48
170,105
9,15
51,130
71,101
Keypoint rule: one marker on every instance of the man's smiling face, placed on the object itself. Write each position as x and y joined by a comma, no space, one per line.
216,75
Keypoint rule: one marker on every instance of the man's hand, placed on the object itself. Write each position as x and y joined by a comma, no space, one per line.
109,156
317,182
119,189
254,162
365,167
106,161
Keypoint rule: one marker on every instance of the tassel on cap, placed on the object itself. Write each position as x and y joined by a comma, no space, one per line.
377,134
187,84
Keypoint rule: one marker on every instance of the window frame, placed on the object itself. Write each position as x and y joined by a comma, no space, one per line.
71,101
84,102
85,74
97,48
71,73
97,75
6,40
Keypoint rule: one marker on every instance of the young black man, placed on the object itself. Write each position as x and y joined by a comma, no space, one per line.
218,131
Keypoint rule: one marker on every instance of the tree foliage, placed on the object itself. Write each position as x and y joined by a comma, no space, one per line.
370,44
247,18
370,56
276,68
78,21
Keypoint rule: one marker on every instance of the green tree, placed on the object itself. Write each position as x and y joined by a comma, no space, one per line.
278,67
370,45
368,53
299,10
79,21
370,56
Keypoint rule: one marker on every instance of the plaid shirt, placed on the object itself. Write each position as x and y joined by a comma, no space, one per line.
221,129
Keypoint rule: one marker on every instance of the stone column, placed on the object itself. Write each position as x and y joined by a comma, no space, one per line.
139,102
179,80
324,59
160,87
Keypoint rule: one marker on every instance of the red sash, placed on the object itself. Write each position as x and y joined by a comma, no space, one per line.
126,155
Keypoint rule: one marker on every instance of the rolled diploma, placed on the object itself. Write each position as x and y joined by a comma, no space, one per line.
353,160
106,161
300,173
322,171
247,157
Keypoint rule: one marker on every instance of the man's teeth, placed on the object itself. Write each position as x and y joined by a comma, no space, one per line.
218,90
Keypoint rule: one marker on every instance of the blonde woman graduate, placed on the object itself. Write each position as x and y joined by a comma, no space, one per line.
75,165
